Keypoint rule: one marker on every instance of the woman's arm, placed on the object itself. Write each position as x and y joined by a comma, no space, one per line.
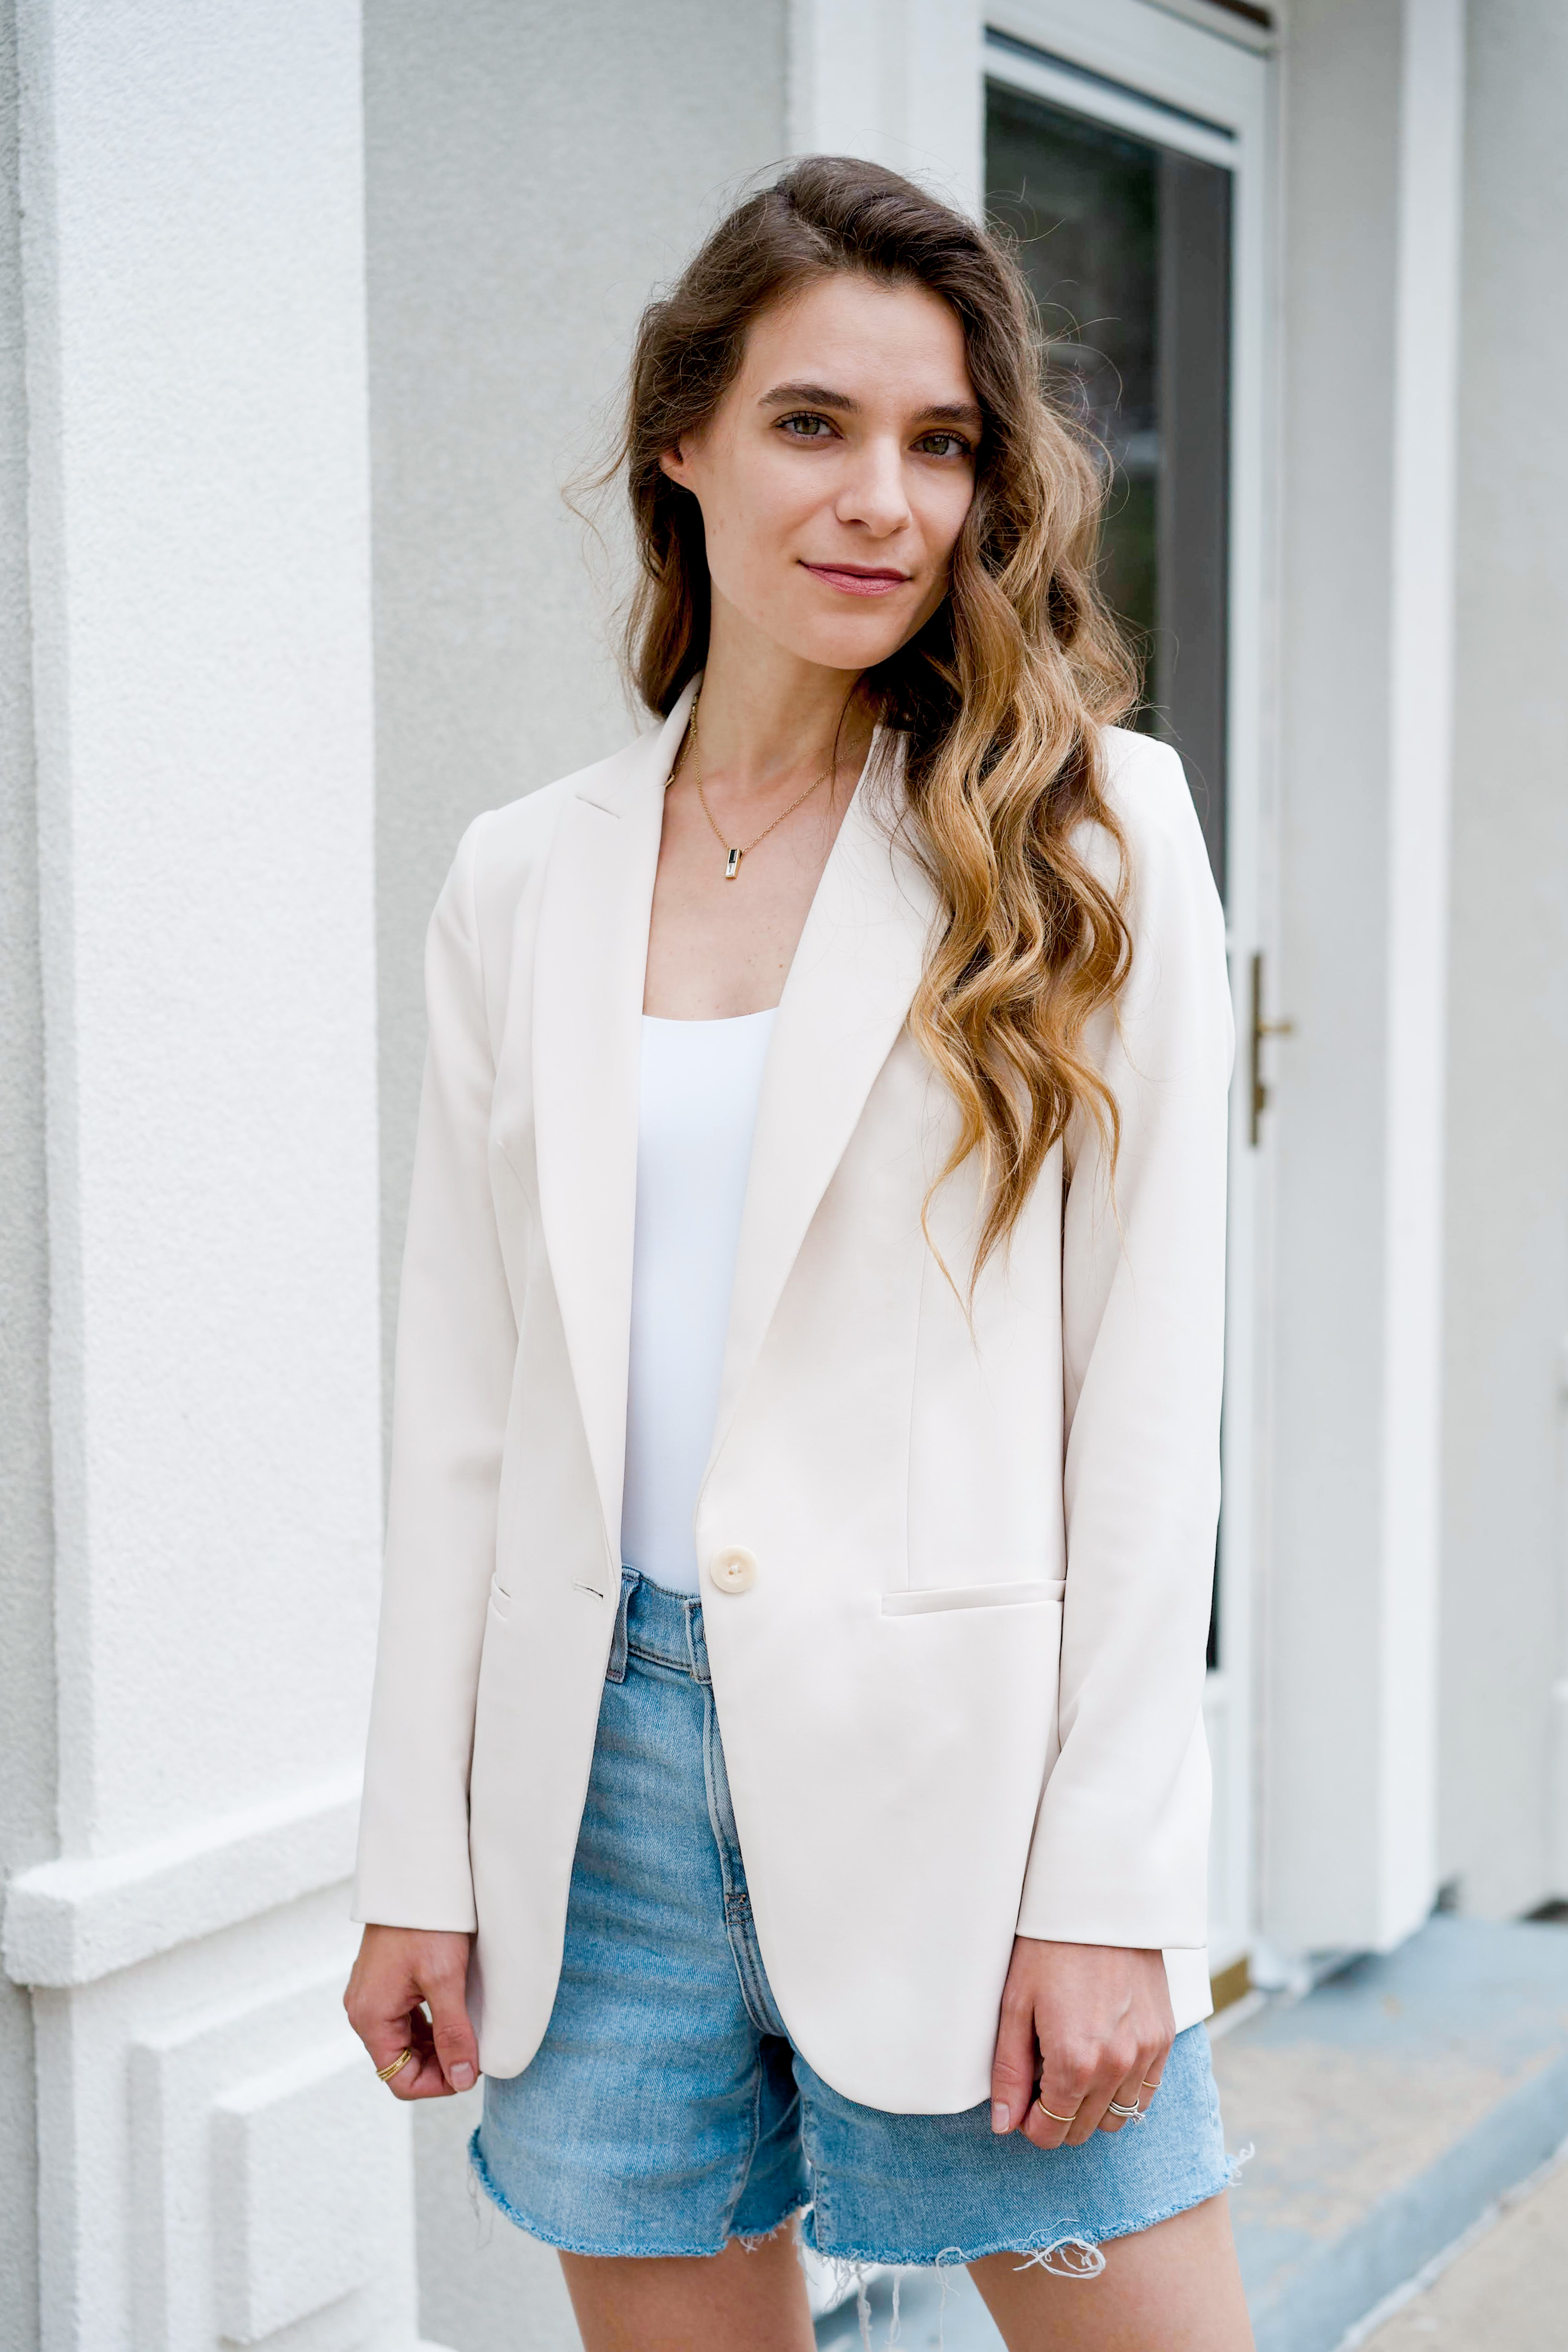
457,1345
1118,1857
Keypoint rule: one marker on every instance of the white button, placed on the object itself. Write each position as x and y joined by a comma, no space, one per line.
733,1570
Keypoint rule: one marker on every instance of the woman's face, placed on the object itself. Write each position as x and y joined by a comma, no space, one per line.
835,474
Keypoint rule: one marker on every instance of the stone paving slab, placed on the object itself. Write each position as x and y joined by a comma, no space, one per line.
1509,2288
1387,2109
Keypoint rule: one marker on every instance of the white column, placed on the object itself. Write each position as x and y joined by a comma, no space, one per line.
896,81
1373,185
1421,708
216,2160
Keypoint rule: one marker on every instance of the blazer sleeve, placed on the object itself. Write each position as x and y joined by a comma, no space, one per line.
457,1347
1121,1843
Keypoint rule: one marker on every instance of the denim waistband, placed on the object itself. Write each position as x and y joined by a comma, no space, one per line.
660,1627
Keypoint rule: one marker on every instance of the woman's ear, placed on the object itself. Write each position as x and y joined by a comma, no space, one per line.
673,462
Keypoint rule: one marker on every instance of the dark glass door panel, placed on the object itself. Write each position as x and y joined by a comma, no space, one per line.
1127,246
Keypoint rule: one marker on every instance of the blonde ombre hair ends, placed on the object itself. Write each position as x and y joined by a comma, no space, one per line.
1000,697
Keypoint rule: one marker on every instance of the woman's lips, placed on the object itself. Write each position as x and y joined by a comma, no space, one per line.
858,583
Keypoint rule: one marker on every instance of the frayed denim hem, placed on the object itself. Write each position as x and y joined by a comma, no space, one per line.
548,2237
1036,2253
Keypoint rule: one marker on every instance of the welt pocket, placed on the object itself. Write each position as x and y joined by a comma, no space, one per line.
930,1601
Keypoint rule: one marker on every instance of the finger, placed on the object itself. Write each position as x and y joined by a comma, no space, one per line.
422,2077
384,2037
451,2029
1012,2067
403,2043
1065,2074
1130,2095
1050,2118
1153,2074
1094,2111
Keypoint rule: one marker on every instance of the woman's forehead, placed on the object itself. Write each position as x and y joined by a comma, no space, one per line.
853,333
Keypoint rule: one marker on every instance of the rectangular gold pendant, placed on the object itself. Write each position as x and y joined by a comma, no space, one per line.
732,865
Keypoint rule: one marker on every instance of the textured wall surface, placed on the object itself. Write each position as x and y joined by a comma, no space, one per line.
533,172
1508,1115
200,555
26,1597
1340,177
198,549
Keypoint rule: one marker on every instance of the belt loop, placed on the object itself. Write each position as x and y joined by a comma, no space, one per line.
696,1641
615,1672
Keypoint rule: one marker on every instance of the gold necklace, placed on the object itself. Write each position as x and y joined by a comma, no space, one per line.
733,855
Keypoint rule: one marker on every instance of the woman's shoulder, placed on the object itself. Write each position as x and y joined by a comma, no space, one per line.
1146,786
502,855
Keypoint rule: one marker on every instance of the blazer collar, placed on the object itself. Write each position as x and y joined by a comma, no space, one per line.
844,1004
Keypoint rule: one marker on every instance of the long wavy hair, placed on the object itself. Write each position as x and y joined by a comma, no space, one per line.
999,696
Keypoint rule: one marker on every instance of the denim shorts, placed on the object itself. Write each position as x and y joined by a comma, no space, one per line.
666,2110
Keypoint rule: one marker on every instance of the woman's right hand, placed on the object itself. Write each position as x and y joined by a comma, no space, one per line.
399,1969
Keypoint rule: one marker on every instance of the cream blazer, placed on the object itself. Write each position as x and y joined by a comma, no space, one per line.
956,1577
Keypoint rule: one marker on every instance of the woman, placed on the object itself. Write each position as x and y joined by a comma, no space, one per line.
810,1331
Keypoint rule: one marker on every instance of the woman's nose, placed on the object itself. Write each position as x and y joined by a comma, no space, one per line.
874,492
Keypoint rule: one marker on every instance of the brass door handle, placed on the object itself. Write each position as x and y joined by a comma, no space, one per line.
1260,1030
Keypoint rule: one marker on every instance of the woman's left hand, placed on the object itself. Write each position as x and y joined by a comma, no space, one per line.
1087,2023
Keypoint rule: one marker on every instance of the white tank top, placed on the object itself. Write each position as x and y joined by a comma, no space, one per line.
699,1086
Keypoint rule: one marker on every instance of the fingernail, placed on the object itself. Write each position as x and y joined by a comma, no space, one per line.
463,2077
1001,2117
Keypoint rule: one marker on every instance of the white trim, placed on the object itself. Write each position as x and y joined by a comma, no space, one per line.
73,1921
1024,67
1134,41
896,81
1211,17
1425,392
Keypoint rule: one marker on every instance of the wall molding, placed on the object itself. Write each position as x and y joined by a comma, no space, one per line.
71,1921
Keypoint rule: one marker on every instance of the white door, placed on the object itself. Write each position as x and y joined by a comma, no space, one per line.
1127,151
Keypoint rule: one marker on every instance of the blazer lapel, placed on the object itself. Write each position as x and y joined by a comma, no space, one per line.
844,1004
590,975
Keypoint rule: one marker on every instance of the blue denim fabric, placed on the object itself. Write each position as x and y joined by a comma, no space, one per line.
666,2110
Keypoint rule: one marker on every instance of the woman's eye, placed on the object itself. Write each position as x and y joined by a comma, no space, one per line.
805,427
946,445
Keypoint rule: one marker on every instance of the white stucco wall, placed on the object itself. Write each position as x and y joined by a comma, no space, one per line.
1370,116
1506,1551
27,1600
1340,89
197,539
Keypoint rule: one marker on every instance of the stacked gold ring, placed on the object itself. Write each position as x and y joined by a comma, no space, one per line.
1052,2112
394,2066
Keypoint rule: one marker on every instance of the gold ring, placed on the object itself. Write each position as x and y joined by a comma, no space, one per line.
1052,2112
1147,2085
394,2066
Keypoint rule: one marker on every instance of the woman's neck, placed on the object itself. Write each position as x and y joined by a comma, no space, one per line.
768,717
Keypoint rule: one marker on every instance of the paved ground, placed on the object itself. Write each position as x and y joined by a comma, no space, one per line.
1508,2289
1388,2109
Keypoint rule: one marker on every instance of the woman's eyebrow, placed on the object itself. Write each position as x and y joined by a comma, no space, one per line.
789,395
821,395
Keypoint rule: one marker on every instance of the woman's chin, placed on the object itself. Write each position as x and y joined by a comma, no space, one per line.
853,640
